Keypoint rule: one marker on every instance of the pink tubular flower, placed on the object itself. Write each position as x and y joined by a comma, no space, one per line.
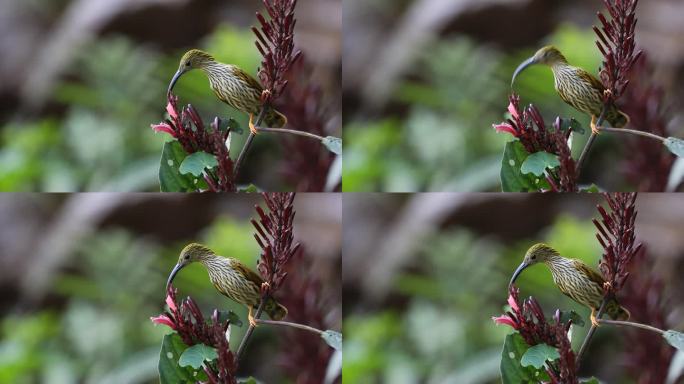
164,127
506,320
505,127
165,320
513,109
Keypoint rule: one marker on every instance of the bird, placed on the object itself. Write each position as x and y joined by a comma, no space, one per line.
231,278
574,279
576,87
231,85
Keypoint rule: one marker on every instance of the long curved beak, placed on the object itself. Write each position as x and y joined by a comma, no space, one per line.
517,272
175,270
522,66
175,78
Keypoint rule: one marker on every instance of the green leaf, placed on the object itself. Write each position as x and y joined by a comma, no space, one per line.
169,370
593,188
230,316
249,189
512,179
572,124
538,355
512,372
170,179
334,144
249,380
538,162
571,315
333,338
196,355
593,380
197,162
233,125
676,339
675,146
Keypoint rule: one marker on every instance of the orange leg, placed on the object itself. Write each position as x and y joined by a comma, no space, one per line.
252,320
594,321
594,130
252,128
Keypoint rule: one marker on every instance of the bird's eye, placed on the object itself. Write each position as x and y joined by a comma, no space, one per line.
533,257
187,63
187,257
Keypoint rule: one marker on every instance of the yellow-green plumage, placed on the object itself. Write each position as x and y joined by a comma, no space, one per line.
575,86
231,278
573,278
230,84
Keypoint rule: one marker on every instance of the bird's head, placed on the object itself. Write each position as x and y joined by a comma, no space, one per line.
537,253
548,55
191,253
192,59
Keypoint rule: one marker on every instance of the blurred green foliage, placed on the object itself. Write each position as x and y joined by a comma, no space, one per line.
97,327
438,327
444,140
99,137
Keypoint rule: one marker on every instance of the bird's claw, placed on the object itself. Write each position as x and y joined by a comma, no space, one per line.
252,320
252,128
594,129
594,320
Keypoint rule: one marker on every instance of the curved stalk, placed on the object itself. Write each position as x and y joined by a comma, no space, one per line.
291,131
590,334
290,324
631,324
250,330
590,142
248,142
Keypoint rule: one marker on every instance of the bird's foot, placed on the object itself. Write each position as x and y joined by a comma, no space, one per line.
592,317
594,129
607,286
252,128
252,320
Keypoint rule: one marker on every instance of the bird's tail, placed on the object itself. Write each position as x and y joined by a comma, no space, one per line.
274,309
275,119
616,117
616,312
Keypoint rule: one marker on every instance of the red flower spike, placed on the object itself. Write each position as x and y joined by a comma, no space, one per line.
210,140
275,237
187,319
616,234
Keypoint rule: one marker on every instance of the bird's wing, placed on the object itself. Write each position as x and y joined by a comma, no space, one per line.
593,275
595,83
247,78
248,273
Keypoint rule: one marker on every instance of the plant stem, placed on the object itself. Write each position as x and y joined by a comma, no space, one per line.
633,132
289,324
248,142
292,131
631,324
250,330
590,142
590,334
